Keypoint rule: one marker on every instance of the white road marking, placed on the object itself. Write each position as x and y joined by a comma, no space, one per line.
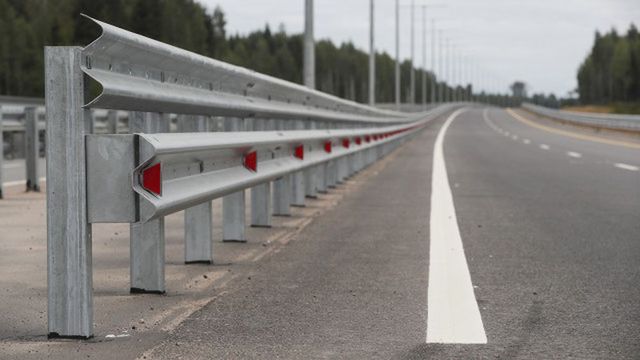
544,146
506,133
526,141
574,154
515,137
453,314
490,123
627,167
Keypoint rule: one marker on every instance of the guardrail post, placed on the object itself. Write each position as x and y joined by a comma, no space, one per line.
282,186
261,194
146,239
343,169
297,179
32,150
332,174
112,122
69,272
198,220
310,174
321,170
2,152
233,205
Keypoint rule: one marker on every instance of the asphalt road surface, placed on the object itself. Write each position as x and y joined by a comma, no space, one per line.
549,222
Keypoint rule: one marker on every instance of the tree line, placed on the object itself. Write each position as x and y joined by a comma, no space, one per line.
26,26
611,71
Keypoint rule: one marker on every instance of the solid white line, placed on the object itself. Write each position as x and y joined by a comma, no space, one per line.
544,146
574,154
627,167
453,314
526,141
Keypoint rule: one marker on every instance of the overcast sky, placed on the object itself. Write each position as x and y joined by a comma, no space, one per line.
541,42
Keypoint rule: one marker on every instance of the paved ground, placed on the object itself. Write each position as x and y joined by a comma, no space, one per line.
551,241
138,322
549,223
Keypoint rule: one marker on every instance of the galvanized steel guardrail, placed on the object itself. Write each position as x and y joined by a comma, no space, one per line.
284,141
23,121
608,121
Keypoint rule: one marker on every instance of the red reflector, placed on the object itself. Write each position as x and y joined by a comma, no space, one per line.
250,161
375,137
358,141
327,147
299,152
345,143
367,138
152,179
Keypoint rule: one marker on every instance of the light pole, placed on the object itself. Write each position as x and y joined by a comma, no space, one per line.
424,57
309,46
397,87
372,57
412,73
441,67
433,61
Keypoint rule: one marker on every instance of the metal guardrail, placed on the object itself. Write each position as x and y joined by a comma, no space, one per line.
284,141
608,121
16,117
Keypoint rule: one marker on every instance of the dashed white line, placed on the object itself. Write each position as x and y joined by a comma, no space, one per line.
544,146
515,137
627,167
574,154
453,314
526,141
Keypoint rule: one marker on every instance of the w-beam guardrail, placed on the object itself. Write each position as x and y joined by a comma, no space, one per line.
22,123
607,121
280,139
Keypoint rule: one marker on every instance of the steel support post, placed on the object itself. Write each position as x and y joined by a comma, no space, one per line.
310,176
321,170
233,205
32,150
261,194
343,168
112,122
147,256
198,220
1,153
69,272
331,174
297,179
282,186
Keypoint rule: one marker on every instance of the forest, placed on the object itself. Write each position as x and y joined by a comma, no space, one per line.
26,26
610,74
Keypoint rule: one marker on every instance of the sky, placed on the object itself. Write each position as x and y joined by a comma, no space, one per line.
540,42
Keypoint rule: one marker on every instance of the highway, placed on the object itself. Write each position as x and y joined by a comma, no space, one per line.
528,249
549,224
